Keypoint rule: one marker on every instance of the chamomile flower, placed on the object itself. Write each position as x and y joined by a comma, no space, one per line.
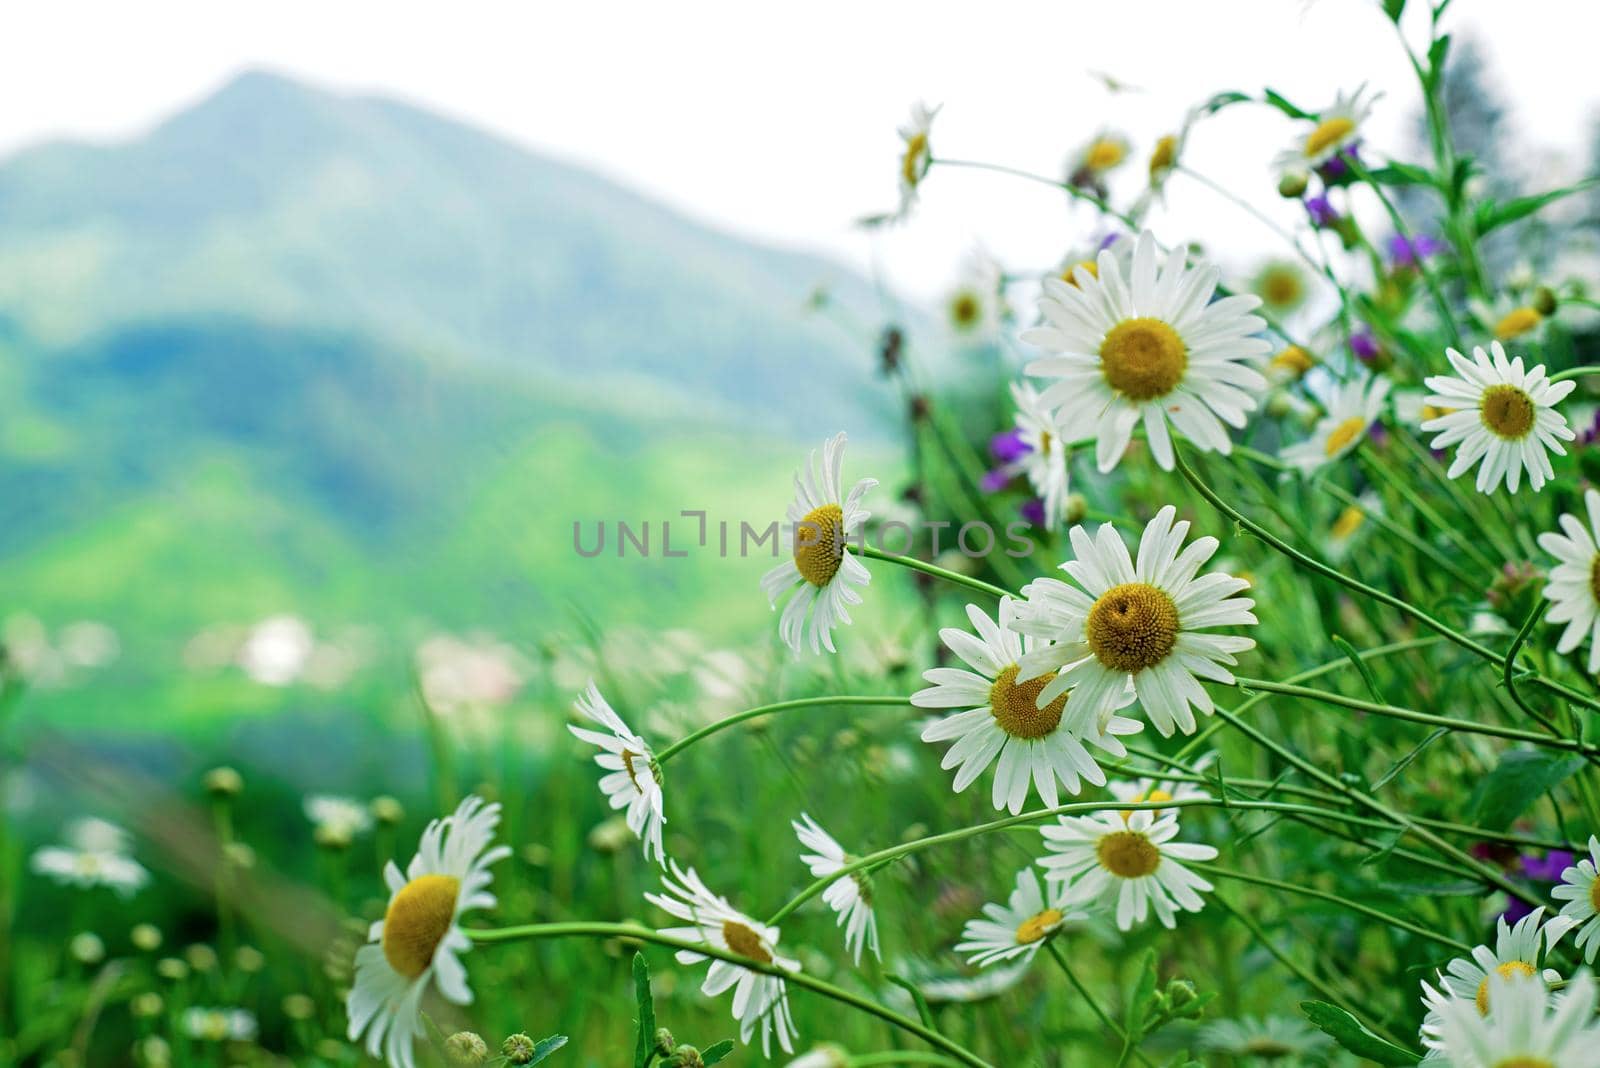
850,896
1290,365
1037,743
1269,1038
759,999
1502,415
822,573
1018,928
1337,129
1141,622
1526,1030
1281,286
977,304
1518,952
1131,863
916,155
1580,889
1508,320
343,817
219,1025
1044,460
1574,587
419,941
1146,790
95,854
632,780
1152,347
1352,409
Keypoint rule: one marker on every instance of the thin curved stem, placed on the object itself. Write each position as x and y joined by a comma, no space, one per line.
588,929
780,706
1333,899
1362,588
1089,999
1434,289
1575,372
933,569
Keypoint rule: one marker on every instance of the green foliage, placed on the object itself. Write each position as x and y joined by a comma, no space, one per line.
1520,779
1354,1036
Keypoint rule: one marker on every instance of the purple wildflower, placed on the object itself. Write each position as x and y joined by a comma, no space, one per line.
1033,511
1409,253
1008,446
1545,869
1364,345
995,480
1322,212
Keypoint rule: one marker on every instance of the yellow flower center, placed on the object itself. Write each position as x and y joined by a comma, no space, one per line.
1329,132
1267,1048
745,942
1104,154
1348,523
1295,360
1157,796
1343,434
1132,627
911,165
1509,970
1594,887
819,544
965,308
1036,927
1517,322
418,917
1015,705
1045,441
1280,287
1089,265
1523,1062
1507,411
1143,358
1128,854
1164,156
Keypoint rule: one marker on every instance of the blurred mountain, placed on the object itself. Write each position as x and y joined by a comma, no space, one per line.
301,351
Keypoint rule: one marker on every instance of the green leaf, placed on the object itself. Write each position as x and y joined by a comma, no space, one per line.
1493,214
1361,665
1516,782
923,1011
1437,52
1277,100
546,1046
1405,761
647,1012
1402,174
1394,9
1144,994
1222,100
715,1052
1349,1033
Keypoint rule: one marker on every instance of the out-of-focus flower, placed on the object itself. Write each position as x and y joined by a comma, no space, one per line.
916,154
1281,287
95,854
476,672
277,650
976,306
1353,408
1337,131
1271,1038
1364,346
1547,868
1322,212
219,1025
343,816
1290,365
1409,252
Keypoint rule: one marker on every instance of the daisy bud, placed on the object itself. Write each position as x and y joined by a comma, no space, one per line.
334,837
1293,185
248,959
87,948
1077,508
201,957
172,968
665,1043
1279,405
1544,301
684,1057
146,937
223,782
153,1052
387,811
465,1049
518,1049
146,1005
299,1007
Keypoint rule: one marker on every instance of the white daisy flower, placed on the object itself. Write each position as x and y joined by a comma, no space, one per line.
1147,790
850,897
941,986
1525,1030
1019,927
632,780
1574,587
759,999
95,854
1138,621
977,304
1004,720
1519,951
1151,347
1269,1038
1352,409
1132,863
219,1025
822,571
1580,890
1338,128
338,815
1045,461
916,155
419,940
1501,415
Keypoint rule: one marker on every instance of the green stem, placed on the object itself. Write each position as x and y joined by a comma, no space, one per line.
1362,588
1397,482
586,929
1400,227
1105,1017
1334,899
933,569
779,706
1576,372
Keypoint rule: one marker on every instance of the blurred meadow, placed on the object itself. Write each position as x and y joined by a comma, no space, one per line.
310,401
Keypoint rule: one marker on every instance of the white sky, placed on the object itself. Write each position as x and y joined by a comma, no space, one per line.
777,121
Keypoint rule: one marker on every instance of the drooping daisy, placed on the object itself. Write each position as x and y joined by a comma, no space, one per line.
632,780
1270,1038
1352,409
95,854
759,999
1003,719
916,155
419,940
850,897
338,817
1518,952
1133,864
822,572
1580,889
1041,453
1502,415
1574,587
1525,1030
1136,621
1338,129
1153,347
1019,927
